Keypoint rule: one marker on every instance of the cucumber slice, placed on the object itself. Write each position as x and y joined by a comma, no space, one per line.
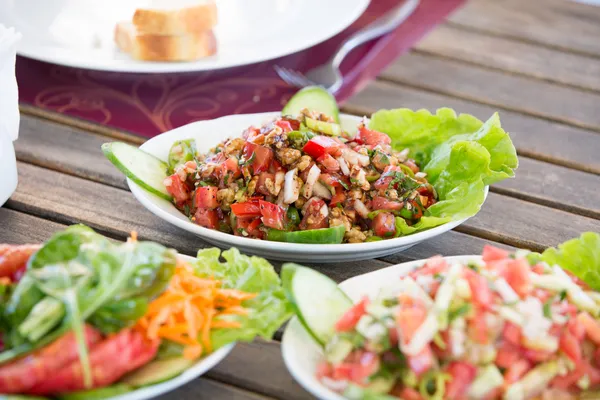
314,98
157,371
317,300
97,394
333,235
144,169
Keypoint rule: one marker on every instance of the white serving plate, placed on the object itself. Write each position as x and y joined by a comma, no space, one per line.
210,133
8,168
79,33
302,354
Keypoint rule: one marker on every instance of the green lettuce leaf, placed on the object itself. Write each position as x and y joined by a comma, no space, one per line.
268,311
581,256
460,154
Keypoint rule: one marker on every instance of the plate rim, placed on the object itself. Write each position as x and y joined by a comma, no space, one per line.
148,67
150,202
305,379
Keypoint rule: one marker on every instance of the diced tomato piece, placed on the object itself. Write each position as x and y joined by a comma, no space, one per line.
492,253
507,355
13,260
273,216
594,374
330,163
461,374
434,265
261,156
314,218
592,327
351,317
516,370
422,362
482,294
409,317
367,363
324,369
371,137
538,269
249,208
248,226
206,218
412,165
517,276
229,171
177,188
570,346
479,328
334,180
381,203
254,228
512,333
494,394
250,133
276,166
386,177
284,125
567,381
342,371
338,197
261,185
206,197
319,145
406,393
21,375
537,356
576,329
384,225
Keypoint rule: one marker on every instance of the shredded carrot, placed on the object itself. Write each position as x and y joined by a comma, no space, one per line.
189,308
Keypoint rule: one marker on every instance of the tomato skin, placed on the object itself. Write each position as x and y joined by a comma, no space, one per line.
507,355
366,365
338,197
462,374
110,359
229,171
206,218
13,260
206,197
576,329
570,346
370,137
517,276
351,317
422,362
482,294
249,208
330,163
386,177
319,145
261,155
512,333
313,218
592,327
177,188
284,125
381,203
537,356
516,370
384,225
492,253
479,327
273,216
21,375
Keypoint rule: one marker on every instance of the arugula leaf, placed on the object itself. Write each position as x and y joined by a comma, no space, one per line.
460,154
268,311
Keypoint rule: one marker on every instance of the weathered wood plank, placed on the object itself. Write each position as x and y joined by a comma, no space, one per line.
208,389
560,24
20,228
512,56
533,137
510,92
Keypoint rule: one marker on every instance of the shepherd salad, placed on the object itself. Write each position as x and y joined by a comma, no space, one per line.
510,326
82,317
303,178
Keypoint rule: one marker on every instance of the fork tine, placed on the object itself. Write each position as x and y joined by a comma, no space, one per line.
284,75
292,77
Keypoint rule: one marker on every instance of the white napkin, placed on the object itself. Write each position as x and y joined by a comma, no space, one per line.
9,95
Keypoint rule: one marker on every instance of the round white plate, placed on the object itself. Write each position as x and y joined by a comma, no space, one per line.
210,133
79,33
302,354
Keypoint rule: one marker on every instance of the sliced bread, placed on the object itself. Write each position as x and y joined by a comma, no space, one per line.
165,20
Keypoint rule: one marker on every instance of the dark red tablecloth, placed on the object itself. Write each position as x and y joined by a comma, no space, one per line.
148,104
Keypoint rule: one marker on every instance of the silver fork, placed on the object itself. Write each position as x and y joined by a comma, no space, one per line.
328,75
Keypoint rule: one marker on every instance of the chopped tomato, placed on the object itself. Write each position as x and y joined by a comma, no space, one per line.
13,260
479,328
570,346
261,156
576,328
381,203
342,371
206,218
412,165
567,381
409,317
273,216
324,369
261,185
249,225
351,317
366,364
334,180
206,197
507,355
406,393
538,269
315,215
338,197
319,145
491,253
517,276
330,163
253,228
284,125
230,170
294,123
516,371
512,333
276,166
371,137
592,327
387,176
462,374
249,208
177,188
422,362
384,225
537,356
482,294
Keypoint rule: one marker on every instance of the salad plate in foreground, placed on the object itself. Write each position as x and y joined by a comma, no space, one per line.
498,326
309,185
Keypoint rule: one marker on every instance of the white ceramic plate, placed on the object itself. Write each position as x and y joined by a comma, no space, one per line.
79,33
302,354
210,133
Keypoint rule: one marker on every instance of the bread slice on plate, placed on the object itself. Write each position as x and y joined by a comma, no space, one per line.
164,18
153,47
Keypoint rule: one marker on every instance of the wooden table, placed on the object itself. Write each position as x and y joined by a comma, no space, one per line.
536,62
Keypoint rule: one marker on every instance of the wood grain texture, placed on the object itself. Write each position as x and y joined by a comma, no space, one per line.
566,25
20,228
208,389
533,137
512,56
509,92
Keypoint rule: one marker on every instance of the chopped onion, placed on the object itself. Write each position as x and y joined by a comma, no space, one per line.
168,181
290,188
324,211
363,159
311,178
511,315
506,291
403,155
321,191
420,175
343,166
360,208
